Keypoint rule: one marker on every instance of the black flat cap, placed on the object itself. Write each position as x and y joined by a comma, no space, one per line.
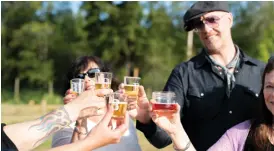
200,8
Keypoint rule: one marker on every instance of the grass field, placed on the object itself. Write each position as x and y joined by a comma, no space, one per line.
17,113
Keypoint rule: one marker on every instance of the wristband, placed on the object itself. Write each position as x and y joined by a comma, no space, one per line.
184,149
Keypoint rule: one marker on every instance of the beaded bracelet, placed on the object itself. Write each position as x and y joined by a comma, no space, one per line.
184,149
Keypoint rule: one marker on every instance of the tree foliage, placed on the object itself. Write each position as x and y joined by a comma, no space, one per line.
40,40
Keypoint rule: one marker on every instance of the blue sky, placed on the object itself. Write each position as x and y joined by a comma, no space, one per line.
75,5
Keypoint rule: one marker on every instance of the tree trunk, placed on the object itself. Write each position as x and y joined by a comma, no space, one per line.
17,90
136,72
128,67
189,44
50,88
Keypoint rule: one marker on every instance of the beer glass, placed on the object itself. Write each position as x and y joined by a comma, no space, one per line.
77,86
103,80
131,85
118,101
164,101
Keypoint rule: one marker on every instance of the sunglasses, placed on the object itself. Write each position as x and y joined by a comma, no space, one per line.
211,21
90,73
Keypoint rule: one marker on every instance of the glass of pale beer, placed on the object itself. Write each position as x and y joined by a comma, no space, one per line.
119,104
77,86
103,80
164,101
131,85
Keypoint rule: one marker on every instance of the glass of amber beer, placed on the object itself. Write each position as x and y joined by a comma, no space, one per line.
164,101
103,80
118,101
131,85
77,86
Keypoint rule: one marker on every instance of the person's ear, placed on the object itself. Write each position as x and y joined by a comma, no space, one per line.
230,17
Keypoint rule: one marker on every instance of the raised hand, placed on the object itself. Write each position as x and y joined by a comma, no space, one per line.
104,132
168,121
69,96
138,109
91,102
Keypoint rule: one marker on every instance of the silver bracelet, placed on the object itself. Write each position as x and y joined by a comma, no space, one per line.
184,149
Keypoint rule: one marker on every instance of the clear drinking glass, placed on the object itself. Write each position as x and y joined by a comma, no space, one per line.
103,80
119,103
131,85
77,86
164,101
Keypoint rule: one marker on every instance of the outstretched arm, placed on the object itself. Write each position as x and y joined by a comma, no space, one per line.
28,135
170,122
154,134
101,135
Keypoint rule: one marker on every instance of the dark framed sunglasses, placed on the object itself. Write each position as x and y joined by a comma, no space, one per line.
211,21
90,73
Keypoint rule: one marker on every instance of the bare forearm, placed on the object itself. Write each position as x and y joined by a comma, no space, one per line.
180,140
143,117
28,135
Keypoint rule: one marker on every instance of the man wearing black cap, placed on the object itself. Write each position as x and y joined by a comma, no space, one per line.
216,89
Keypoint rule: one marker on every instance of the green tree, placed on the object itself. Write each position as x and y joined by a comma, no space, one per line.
32,62
265,27
253,28
114,33
69,41
13,16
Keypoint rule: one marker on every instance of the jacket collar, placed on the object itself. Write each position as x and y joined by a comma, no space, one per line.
202,59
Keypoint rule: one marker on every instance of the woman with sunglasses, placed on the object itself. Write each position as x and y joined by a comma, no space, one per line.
252,135
85,68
